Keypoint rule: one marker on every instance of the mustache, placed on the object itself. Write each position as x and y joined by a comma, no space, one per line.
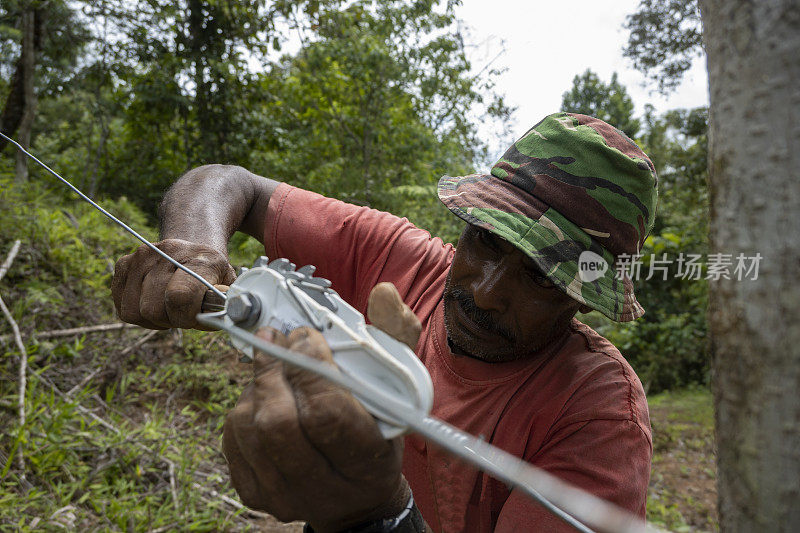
481,317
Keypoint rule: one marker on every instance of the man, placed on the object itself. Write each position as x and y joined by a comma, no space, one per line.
508,360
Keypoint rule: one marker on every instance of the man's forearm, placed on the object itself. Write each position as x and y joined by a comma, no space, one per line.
209,203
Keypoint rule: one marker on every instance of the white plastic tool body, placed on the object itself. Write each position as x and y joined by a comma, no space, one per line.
289,298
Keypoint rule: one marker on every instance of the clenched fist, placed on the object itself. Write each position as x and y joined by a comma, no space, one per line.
151,292
301,448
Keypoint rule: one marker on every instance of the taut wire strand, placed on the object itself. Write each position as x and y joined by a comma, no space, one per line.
127,228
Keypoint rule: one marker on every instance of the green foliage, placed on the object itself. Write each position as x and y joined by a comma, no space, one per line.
673,333
63,39
678,145
68,250
112,440
375,99
668,346
243,249
373,108
116,474
183,86
607,101
379,95
420,204
665,37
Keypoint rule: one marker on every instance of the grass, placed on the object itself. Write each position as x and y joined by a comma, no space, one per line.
682,494
122,429
135,449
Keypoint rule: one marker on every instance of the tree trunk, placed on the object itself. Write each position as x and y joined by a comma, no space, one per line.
15,103
11,116
28,65
754,68
99,152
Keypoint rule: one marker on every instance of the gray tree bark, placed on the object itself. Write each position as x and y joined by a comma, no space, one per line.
753,49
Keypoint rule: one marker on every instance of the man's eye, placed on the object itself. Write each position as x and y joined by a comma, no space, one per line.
540,279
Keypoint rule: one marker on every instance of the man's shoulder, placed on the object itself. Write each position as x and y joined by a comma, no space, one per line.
584,394
599,383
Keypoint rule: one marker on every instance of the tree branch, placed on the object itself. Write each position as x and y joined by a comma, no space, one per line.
76,331
23,361
11,255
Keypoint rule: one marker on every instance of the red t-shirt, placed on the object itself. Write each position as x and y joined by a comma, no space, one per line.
576,410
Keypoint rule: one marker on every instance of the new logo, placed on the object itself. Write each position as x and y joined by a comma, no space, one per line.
591,266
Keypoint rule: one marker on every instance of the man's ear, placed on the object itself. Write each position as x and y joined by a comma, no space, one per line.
585,309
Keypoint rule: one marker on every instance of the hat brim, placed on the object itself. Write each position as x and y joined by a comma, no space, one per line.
553,242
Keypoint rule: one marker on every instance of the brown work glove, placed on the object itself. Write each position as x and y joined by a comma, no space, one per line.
301,448
151,292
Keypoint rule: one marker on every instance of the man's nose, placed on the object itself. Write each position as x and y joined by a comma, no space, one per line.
490,288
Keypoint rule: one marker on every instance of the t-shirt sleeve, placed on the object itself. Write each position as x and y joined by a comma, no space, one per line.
354,247
608,458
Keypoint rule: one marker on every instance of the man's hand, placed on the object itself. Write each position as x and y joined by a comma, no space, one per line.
301,448
206,205
151,292
387,311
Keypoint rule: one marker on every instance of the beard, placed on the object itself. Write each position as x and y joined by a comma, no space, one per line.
503,347
502,350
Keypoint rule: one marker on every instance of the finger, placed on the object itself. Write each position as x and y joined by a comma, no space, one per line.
184,293
230,276
213,266
307,384
269,434
130,307
275,419
183,299
254,476
290,442
152,305
387,311
330,416
243,478
310,342
118,281
262,362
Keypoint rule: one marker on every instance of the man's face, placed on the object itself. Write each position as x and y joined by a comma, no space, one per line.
498,306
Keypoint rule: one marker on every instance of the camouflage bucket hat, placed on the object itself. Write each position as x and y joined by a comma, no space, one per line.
576,195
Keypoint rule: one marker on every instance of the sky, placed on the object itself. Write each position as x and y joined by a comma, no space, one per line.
548,42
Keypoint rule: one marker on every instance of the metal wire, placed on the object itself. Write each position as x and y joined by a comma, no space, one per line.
127,228
572,505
